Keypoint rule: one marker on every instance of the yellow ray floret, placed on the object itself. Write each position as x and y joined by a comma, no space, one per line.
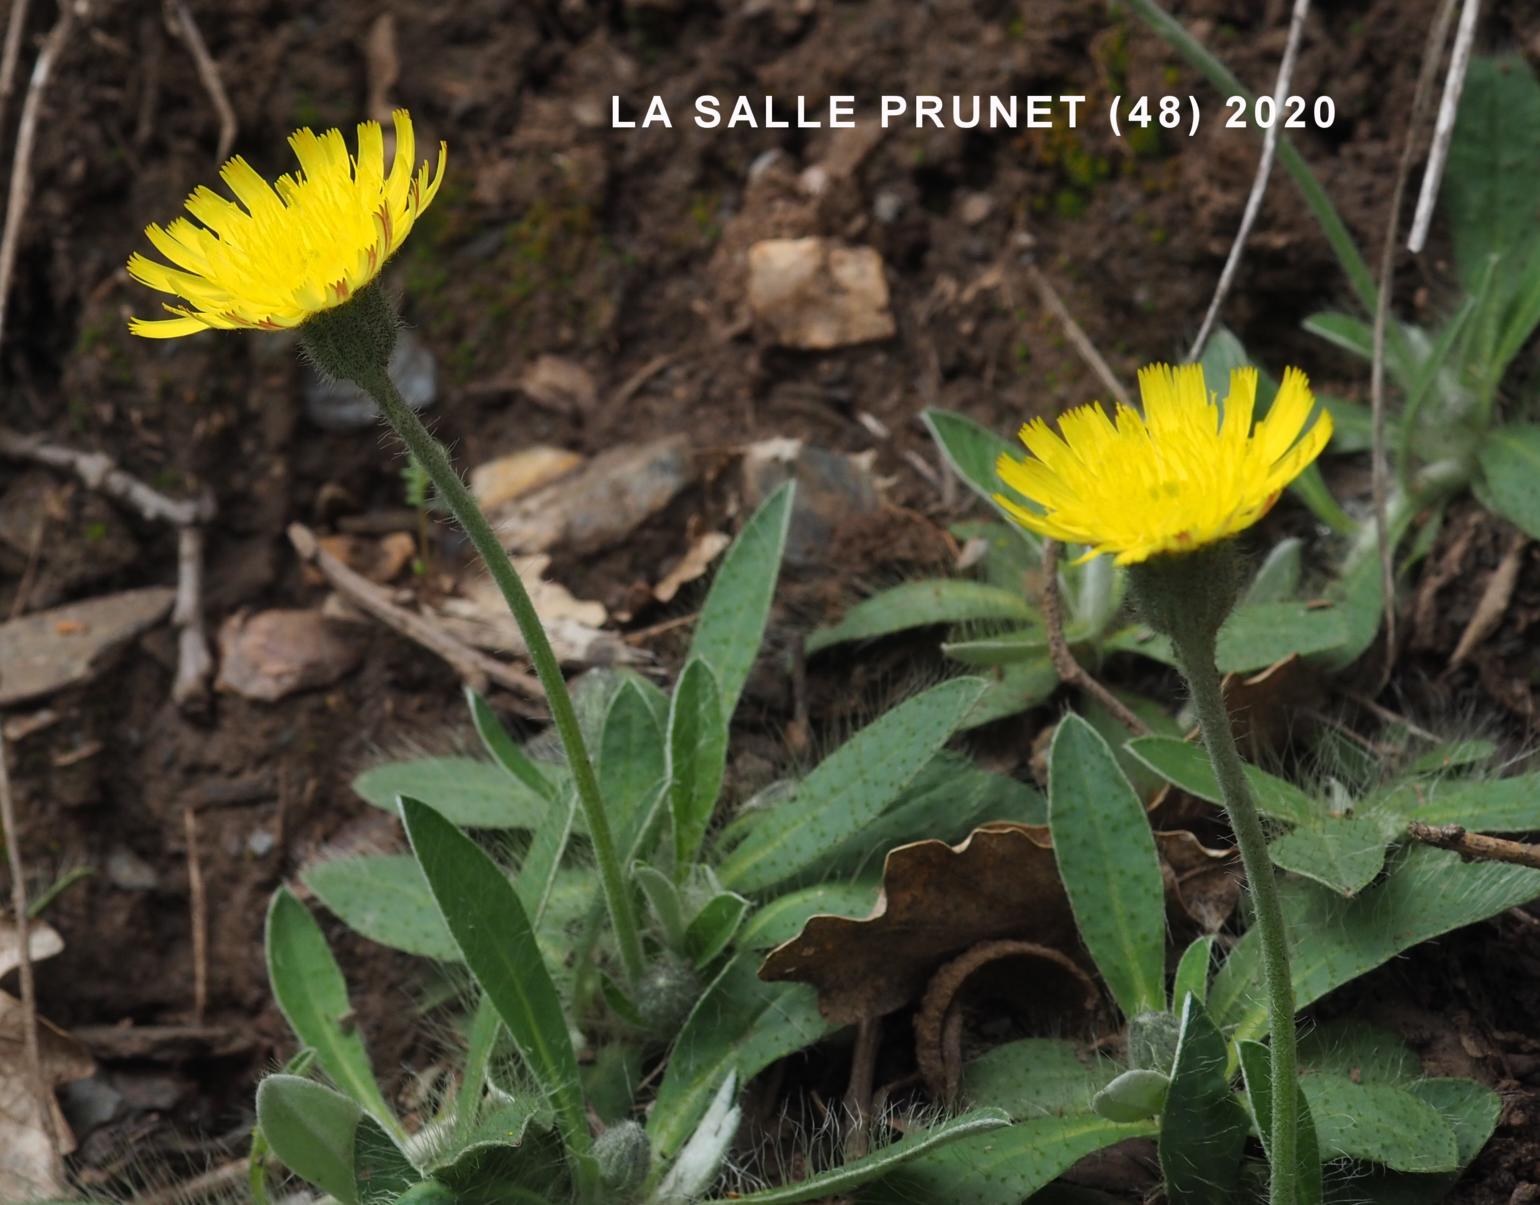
1184,474
287,250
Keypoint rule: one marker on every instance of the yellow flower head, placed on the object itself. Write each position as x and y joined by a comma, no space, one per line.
1185,474
303,244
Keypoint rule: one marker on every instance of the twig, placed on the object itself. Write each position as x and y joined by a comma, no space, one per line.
1070,671
474,666
198,903
182,25
215,1182
858,1095
100,473
29,572
1379,465
1384,713
1443,128
1494,600
1259,184
26,140
22,921
9,57
1076,335
1475,847
194,663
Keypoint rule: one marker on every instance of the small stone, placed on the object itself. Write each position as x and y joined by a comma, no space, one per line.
817,294
975,207
561,385
508,477
260,843
887,206
831,487
48,650
127,871
343,406
615,494
277,653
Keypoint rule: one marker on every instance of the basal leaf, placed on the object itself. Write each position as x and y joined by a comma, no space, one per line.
1203,1129
311,993
849,788
470,792
385,898
310,1128
1106,856
922,604
697,758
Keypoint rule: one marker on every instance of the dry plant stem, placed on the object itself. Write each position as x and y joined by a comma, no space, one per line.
1379,464
179,18
473,666
26,140
22,919
1259,184
194,662
100,473
858,1096
452,489
198,903
1477,847
1076,336
14,28
1196,650
1443,128
1070,671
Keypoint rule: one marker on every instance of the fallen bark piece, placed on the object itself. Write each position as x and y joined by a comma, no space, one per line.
692,565
619,491
561,385
816,294
49,650
480,617
273,654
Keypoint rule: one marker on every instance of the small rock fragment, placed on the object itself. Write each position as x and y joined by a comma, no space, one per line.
508,477
127,871
276,653
817,294
831,487
615,494
48,650
560,385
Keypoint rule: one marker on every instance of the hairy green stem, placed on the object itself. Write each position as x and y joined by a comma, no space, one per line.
1195,646
451,488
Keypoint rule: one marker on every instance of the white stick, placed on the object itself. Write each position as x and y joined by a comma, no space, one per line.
1443,130
1259,184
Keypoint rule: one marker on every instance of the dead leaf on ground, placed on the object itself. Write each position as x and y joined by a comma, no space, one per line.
27,1166
938,900
1202,884
1494,600
379,559
43,941
506,478
480,617
692,565
1265,707
1056,987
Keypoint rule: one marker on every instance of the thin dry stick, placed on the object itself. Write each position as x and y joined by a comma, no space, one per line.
102,474
1476,847
1259,184
181,22
1443,128
474,666
198,903
858,1095
1379,465
1070,671
1076,335
26,140
9,57
194,663
19,906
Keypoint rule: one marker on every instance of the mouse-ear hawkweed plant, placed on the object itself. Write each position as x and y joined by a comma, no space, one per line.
1165,493
306,252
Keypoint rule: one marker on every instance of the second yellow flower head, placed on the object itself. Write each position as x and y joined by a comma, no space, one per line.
290,249
1184,474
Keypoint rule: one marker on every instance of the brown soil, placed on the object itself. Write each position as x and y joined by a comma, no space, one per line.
555,234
